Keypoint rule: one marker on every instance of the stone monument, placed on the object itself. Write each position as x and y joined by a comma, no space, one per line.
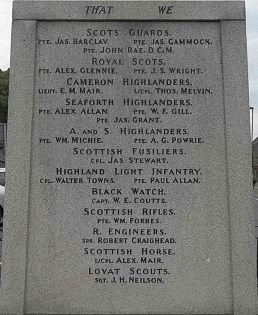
128,163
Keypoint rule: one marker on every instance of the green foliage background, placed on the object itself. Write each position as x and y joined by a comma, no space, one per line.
4,90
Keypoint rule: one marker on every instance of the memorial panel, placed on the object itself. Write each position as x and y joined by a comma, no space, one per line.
128,167
128,163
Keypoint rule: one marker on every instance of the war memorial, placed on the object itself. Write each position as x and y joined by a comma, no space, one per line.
128,163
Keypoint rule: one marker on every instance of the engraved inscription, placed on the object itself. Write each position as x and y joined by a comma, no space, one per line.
123,133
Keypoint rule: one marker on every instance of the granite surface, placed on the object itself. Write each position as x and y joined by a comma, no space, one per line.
134,195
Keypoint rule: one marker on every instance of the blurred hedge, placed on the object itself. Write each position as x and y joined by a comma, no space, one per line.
4,90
